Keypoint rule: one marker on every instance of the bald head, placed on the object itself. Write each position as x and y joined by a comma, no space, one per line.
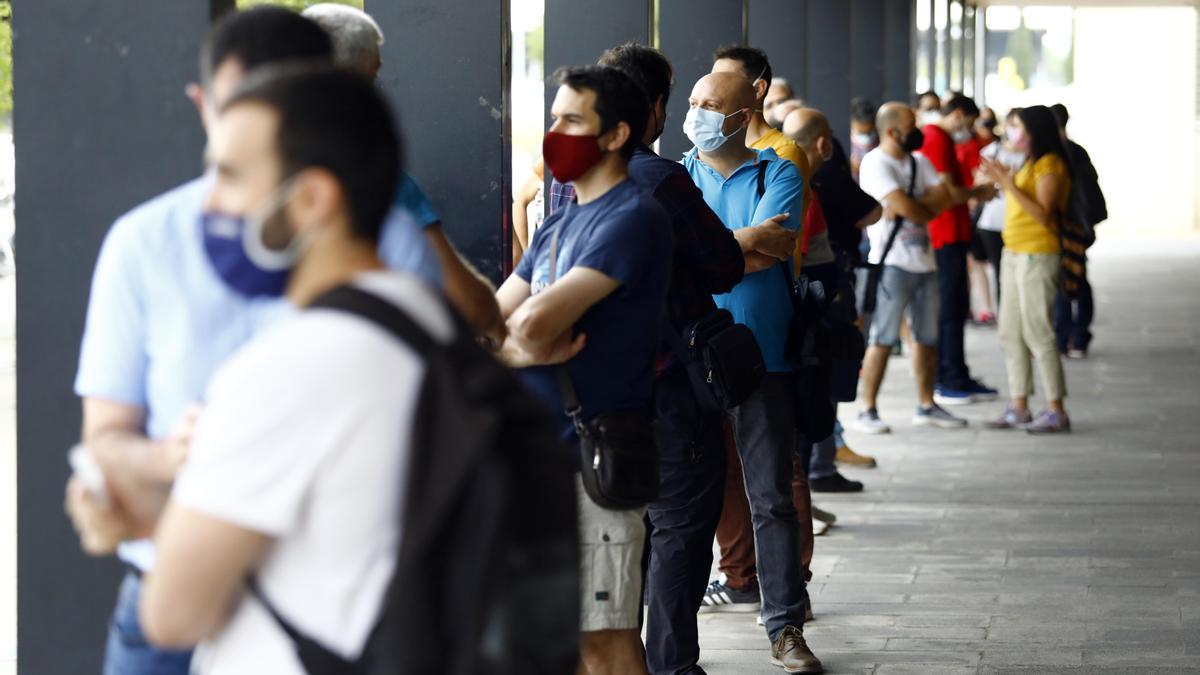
806,125
894,115
781,112
727,92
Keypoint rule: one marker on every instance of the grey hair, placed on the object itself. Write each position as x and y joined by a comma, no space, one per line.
356,37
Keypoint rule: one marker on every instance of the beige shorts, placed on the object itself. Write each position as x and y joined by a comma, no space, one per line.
610,560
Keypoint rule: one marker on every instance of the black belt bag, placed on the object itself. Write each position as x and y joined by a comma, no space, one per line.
722,358
618,455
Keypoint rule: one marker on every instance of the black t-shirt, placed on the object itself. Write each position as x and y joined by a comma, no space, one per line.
843,202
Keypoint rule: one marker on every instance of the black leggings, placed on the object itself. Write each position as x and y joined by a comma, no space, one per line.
993,244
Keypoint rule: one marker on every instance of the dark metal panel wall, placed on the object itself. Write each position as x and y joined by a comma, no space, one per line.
576,34
829,65
866,54
833,50
445,67
101,123
689,31
897,50
778,27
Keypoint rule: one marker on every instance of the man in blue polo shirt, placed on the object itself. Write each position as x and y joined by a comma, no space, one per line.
168,305
728,173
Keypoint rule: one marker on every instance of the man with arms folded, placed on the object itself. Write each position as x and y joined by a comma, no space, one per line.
601,304
728,173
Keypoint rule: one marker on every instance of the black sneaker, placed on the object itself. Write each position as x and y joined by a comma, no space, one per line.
835,483
721,598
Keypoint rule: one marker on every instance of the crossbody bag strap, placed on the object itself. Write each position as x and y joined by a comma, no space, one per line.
571,405
898,222
762,190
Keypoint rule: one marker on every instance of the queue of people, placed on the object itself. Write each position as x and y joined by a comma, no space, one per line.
299,399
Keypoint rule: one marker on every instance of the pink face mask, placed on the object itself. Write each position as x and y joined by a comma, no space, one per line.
1016,137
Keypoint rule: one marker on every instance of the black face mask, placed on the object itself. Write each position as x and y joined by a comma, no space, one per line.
913,140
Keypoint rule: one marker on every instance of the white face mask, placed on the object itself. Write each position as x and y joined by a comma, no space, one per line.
861,139
704,128
929,117
962,135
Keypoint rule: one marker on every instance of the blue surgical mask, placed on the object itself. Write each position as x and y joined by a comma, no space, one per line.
704,128
234,245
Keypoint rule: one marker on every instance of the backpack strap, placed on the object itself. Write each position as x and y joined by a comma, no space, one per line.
380,312
317,658
314,656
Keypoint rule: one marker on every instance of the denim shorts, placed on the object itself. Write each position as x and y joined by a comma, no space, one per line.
900,290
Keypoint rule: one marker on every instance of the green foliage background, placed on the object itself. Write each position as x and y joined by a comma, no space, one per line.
297,4
6,99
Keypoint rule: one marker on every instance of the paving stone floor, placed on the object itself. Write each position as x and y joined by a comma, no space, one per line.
977,551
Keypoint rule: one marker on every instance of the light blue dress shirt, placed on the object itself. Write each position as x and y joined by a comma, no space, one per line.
761,300
160,320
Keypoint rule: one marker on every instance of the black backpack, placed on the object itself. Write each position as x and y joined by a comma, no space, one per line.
487,575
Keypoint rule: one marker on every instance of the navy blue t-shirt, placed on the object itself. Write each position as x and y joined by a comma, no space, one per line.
626,236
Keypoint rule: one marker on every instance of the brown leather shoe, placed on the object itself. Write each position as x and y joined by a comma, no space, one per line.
847,456
791,653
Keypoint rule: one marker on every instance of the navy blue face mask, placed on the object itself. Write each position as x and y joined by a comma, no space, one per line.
234,245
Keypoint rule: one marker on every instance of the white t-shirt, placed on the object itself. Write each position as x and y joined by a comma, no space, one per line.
991,218
306,438
879,175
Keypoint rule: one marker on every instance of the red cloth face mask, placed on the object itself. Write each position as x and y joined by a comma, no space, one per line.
569,157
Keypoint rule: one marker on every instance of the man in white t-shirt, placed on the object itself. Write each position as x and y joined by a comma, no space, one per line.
297,464
909,279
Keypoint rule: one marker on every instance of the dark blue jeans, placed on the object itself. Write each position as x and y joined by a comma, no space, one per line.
764,427
1073,320
681,523
953,309
127,652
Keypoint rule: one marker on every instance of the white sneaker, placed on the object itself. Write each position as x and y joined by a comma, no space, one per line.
820,527
936,416
868,422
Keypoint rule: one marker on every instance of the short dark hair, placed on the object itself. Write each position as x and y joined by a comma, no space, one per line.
917,100
618,99
862,110
1061,114
755,64
1044,135
646,66
334,120
963,103
262,35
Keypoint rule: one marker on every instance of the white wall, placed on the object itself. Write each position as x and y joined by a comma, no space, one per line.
1133,106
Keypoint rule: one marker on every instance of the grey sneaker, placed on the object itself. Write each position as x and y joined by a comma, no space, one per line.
790,652
936,416
868,422
1011,419
1050,422
721,598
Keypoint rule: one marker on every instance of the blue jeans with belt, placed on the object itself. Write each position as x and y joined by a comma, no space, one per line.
127,652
